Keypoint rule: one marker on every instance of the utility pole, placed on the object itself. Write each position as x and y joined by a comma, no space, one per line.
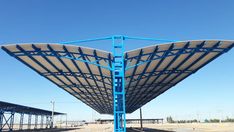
141,120
52,114
66,120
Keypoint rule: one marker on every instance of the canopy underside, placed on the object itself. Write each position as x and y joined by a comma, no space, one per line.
86,73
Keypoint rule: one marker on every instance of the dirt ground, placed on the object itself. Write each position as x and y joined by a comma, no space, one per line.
188,127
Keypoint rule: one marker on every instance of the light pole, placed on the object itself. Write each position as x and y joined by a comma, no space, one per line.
66,120
52,114
141,120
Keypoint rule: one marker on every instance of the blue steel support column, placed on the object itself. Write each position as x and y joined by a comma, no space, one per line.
21,121
118,84
11,121
42,120
36,121
1,120
47,121
29,121
118,70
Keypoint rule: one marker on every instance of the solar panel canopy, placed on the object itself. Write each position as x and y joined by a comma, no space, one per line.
86,73
10,107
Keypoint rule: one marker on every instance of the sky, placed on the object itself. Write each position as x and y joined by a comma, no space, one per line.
206,94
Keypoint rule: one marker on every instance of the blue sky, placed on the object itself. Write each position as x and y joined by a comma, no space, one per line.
208,93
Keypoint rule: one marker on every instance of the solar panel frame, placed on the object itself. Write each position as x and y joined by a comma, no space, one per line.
86,73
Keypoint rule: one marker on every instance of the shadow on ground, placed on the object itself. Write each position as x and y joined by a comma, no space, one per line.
146,130
48,130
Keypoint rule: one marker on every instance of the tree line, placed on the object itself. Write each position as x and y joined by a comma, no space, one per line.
170,120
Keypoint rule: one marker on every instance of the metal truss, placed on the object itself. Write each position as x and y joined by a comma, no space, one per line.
97,106
174,52
151,92
6,123
98,78
76,56
128,93
8,111
137,77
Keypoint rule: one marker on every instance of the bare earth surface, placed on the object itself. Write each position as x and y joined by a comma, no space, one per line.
193,127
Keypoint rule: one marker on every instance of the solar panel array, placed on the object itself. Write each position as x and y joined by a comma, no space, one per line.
86,73
9,107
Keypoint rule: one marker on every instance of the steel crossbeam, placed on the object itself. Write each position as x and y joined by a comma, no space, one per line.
78,74
155,73
76,56
173,52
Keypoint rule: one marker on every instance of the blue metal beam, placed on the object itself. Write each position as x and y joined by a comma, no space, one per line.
155,73
86,40
21,121
42,120
134,71
173,52
79,69
66,55
21,60
55,67
165,68
64,64
156,67
118,84
201,57
104,84
41,65
220,53
1,119
145,69
118,65
149,39
78,74
164,71
90,72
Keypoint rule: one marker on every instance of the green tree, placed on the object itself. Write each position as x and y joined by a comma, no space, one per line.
170,120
